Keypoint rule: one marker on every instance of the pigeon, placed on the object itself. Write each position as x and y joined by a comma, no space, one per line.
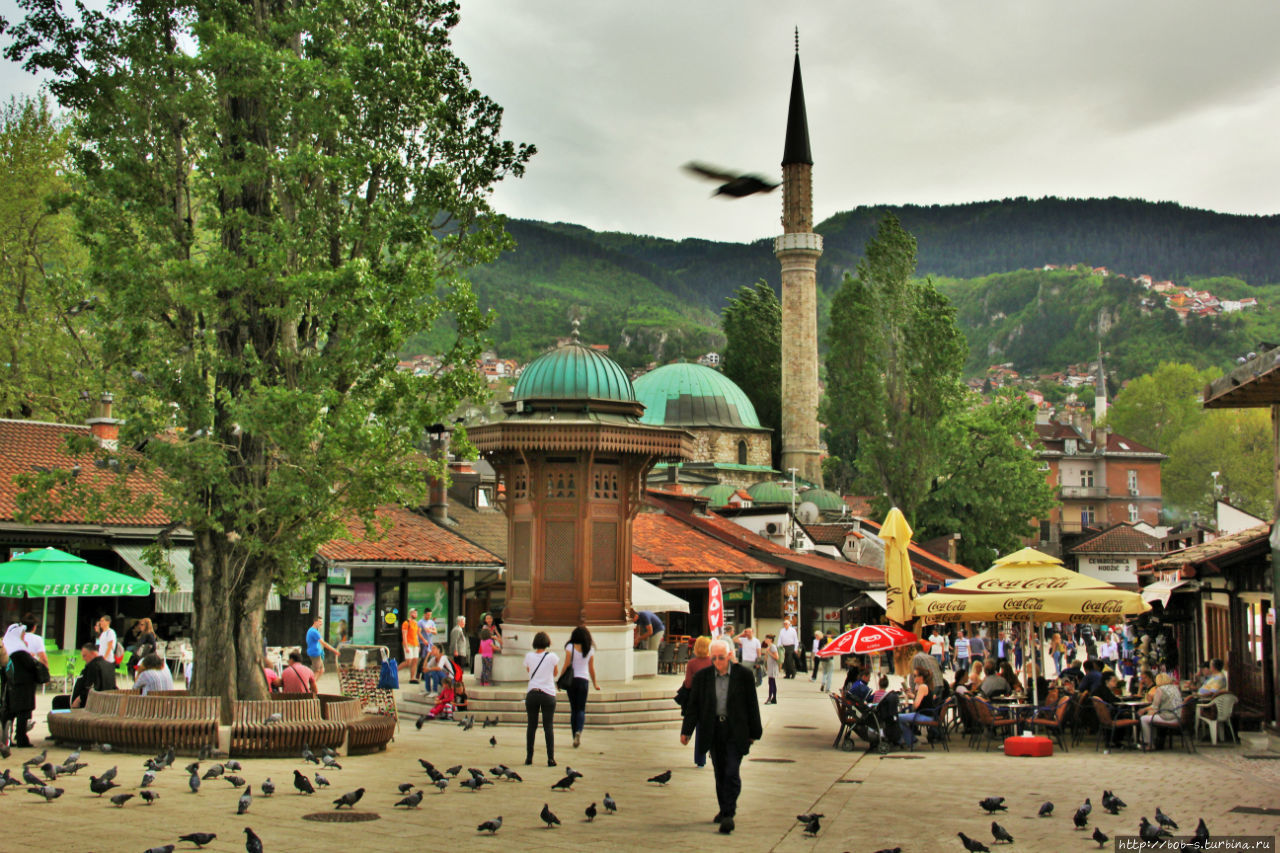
413,801
72,757
147,779
308,755
441,784
993,804
471,721
610,805
565,784
1111,802
233,765
435,775
488,722
422,719
972,845
199,839
513,776
733,185
1164,820
349,799
149,796
272,719
569,771
104,748
472,783
1000,834
1087,807
812,826
591,813
302,783
193,781
246,800
330,762
493,741
662,778
100,786
491,826
71,769
193,767
236,781
35,760
268,787
49,792
153,765
252,843
805,818
109,775
476,773
454,770
1101,837
50,772
1046,810
406,787
32,779
321,782
548,817
167,848
213,772
428,766
1202,834
1149,831
120,799
1080,818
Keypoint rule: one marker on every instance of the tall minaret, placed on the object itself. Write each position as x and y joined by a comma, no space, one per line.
798,250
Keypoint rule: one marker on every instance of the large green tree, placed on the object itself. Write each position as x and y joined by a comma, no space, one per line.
45,349
1157,408
752,357
274,194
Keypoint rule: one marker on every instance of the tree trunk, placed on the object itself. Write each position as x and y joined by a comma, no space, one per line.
250,609
213,619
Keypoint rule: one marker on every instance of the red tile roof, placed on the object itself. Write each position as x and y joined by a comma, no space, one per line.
843,568
24,445
410,539
1223,549
665,544
1121,538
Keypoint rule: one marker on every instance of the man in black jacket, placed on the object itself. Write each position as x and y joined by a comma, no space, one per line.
99,674
722,702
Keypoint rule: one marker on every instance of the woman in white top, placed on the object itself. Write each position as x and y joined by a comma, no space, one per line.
579,653
541,698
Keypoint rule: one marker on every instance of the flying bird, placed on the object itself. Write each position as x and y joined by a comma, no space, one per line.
513,776
413,801
252,843
662,778
302,783
732,184
1101,837
993,804
591,813
199,839
1000,834
1164,820
610,805
349,799
120,799
548,817
1046,810
491,826
973,845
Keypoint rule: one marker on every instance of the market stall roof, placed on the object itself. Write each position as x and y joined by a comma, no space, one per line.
168,600
1254,383
647,596
1225,549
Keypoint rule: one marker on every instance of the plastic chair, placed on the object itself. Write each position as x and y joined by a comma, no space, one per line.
1224,706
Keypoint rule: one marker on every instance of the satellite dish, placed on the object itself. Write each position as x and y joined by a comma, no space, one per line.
808,512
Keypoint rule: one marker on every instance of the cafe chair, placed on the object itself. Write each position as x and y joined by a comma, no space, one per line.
1223,707
1108,725
938,724
990,726
1058,722
666,657
681,658
1184,728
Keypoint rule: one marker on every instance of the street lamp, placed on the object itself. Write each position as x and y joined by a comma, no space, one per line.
1216,488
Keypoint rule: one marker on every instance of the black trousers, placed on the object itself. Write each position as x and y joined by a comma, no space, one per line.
726,761
789,661
535,702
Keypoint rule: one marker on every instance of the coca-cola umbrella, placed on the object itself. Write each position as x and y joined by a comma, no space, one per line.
868,640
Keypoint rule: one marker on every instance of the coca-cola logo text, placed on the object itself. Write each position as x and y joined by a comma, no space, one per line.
1014,585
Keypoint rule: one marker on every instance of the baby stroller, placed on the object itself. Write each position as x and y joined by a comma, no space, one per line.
859,719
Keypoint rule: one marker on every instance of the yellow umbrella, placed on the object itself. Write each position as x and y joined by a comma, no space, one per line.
1029,586
900,586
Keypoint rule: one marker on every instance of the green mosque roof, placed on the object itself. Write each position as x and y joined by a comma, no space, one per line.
693,395
769,492
718,495
574,372
823,499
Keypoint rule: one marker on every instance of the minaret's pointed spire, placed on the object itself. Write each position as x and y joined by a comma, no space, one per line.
796,148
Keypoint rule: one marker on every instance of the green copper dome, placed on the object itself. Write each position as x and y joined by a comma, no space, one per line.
770,492
718,495
823,499
574,372
691,395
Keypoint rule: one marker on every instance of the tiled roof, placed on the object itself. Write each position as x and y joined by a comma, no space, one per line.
411,539
665,544
842,568
858,505
828,534
1122,538
1222,548
24,445
1120,444
485,527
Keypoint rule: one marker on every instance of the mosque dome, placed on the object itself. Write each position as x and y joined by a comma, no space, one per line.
718,495
692,395
574,372
770,492
823,499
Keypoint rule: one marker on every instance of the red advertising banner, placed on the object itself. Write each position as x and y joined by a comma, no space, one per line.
715,608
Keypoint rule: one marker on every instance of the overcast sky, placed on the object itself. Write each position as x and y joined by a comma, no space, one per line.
932,101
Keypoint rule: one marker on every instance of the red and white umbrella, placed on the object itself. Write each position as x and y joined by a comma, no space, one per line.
867,640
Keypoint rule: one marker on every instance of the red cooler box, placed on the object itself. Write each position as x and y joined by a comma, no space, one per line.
1035,747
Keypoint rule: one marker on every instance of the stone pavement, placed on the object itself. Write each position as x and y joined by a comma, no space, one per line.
917,801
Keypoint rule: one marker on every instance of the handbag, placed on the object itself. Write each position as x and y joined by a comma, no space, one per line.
565,681
389,679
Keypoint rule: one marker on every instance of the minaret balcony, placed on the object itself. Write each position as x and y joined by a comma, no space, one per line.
805,241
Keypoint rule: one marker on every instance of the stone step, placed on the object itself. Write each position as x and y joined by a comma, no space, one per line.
626,707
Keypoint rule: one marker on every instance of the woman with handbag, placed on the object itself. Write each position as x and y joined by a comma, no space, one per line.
21,677
541,696
579,668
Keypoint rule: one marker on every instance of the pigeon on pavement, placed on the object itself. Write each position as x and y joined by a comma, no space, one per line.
199,839
233,765
147,779
491,826
413,801
493,741
120,799
252,843
1202,834
302,783
194,783
441,784
1101,837
213,772
406,787
472,783
454,770
1080,818
1087,807
591,812
236,781
569,771
32,779
50,772
662,778
49,792
1164,820
610,805
993,804
1046,810
268,787
149,796
548,817
330,762
812,826
1000,834
100,785
349,799
321,782
246,800
193,767
35,760
565,784
1149,831
308,755
972,845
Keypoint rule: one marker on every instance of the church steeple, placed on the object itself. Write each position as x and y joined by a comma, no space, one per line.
796,147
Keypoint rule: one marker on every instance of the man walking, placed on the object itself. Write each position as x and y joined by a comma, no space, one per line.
962,652
789,639
749,654
424,641
316,645
722,705
409,644
459,645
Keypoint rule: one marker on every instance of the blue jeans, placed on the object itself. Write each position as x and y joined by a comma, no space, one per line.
905,721
432,678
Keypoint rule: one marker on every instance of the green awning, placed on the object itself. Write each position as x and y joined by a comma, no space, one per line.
50,573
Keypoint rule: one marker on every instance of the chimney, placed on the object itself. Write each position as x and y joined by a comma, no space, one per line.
105,428
952,544
438,487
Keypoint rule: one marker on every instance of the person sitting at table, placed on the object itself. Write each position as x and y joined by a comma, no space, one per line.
994,684
925,694
977,672
855,684
1215,683
1037,678
153,675
1107,693
1092,676
1007,673
961,684
1165,707
1144,686
881,691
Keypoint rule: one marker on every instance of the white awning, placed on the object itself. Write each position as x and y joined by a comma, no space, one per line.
647,596
1160,591
879,596
167,601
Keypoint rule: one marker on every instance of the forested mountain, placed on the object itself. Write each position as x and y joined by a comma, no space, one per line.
655,298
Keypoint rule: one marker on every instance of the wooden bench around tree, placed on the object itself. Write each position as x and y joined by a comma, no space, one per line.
302,723
130,721
365,732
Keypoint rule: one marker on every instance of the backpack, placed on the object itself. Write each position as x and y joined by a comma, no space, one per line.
389,679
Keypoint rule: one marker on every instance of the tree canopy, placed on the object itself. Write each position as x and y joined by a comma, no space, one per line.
274,196
752,357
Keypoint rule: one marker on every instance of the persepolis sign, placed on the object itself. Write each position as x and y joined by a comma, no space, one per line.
55,590
1119,570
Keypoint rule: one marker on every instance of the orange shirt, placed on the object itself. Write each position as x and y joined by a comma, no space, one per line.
409,633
